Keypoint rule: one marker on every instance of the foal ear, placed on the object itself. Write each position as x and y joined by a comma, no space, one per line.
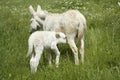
57,35
38,8
32,11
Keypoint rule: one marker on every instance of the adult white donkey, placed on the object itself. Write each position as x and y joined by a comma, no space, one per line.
71,22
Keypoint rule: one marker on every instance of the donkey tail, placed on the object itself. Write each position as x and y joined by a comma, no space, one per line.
81,29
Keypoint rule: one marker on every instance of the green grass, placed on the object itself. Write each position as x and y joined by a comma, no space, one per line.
102,41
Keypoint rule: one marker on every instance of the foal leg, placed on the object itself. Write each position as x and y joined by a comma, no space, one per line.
74,48
34,62
57,56
54,47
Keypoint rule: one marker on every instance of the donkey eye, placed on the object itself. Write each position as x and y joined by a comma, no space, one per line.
30,21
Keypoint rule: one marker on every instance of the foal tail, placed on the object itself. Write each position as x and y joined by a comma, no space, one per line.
30,49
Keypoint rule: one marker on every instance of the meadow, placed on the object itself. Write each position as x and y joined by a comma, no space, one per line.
102,41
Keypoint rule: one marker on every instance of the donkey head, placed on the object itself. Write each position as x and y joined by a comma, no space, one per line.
37,19
34,25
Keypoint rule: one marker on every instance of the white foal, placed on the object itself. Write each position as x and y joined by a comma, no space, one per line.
40,40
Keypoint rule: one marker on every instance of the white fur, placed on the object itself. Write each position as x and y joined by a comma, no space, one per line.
40,40
71,22
119,3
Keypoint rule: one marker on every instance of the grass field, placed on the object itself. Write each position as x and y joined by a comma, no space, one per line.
102,41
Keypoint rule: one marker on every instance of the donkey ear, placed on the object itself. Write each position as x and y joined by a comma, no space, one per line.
38,8
57,35
32,11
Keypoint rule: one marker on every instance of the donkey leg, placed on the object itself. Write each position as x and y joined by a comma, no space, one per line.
74,48
82,49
